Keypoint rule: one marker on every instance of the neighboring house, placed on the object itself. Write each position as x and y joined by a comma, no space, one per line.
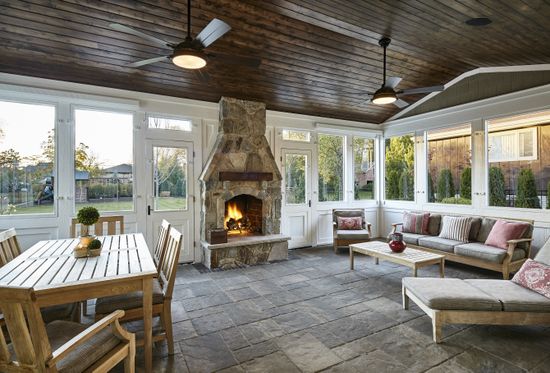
123,172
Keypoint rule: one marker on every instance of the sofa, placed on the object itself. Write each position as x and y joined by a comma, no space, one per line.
346,237
478,301
474,252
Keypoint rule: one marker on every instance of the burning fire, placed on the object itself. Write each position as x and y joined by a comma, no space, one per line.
233,212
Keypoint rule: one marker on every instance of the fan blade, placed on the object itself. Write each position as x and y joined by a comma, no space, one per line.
147,62
203,76
237,60
412,91
392,81
401,103
137,33
212,32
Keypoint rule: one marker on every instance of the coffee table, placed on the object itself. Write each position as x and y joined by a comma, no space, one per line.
412,258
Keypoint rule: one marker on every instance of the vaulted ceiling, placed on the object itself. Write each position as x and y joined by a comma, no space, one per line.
317,56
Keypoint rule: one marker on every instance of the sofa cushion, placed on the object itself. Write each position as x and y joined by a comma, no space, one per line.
543,256
485,229
486,252
434,224
455,228
438,243
534,276
412,238
450,294
474,229
416,223
361,234
514,298
350,223
503,231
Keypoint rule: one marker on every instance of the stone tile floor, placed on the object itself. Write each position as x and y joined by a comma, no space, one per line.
311,313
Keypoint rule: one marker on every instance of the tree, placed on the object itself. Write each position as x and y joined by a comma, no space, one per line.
466,183
331,167
9,168
400,168
445,185
169,175
431,189
84,160
497,194
295,177
527,190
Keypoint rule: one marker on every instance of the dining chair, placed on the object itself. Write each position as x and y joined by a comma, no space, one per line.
9,250
160,245
98,230
60,346
163,287
111,222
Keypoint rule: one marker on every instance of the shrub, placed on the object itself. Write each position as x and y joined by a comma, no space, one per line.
497,195
466,183
431,191
457,201
95,244
445,185
527,190
392,184
87,215
406,187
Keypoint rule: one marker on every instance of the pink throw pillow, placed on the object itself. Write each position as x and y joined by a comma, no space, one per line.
351,223
535,276
416,223
503,231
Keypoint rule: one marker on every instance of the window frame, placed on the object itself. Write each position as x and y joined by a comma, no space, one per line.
517,145
345,164
307,132
149,115
413,135
352,170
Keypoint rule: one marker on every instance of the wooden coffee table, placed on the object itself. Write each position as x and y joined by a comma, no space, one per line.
411,258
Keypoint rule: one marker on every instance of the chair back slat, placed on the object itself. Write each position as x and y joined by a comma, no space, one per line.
9,246
26,329
170,262
112,222
160,245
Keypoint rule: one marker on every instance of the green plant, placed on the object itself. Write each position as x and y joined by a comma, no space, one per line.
497,195
457,201
87,215
466,183
527,190
445,185
431,189
94,245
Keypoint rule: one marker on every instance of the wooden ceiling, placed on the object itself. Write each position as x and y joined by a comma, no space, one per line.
318,56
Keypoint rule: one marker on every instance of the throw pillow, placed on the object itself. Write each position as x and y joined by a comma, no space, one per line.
535,276
456,228
503,231
416,223
351,223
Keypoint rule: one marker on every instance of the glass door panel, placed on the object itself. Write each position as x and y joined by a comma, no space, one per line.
170,178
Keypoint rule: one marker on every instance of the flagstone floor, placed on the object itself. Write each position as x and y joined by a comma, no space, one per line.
311,313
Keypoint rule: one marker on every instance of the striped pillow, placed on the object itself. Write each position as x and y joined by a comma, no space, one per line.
456,228
416,223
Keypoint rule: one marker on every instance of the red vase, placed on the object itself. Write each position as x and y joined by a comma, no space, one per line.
397,245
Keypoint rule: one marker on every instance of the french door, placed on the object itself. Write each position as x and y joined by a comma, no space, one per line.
170,191
296,165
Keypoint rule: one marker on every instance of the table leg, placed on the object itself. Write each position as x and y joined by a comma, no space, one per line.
442,268
351,258
415,271
376,261
148,323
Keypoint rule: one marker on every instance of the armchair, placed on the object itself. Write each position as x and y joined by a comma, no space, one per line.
346,237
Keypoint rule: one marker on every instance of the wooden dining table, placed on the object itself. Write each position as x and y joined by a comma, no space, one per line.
125,265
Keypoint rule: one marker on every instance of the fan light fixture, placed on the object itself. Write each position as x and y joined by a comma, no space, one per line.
385,95
189,59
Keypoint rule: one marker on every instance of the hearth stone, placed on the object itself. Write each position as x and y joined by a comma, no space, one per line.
247,250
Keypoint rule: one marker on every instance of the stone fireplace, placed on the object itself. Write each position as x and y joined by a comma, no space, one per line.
241,190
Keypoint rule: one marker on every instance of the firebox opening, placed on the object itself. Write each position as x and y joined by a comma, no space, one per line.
243,215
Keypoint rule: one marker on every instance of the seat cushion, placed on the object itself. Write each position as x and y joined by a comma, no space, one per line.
359,234
514,297
486,252
450,294
412,238
60,312
438,243
127,301
60,332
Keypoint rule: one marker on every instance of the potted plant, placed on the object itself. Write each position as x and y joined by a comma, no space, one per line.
94,247
86,216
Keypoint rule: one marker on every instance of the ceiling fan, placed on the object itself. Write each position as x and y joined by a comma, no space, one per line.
387,94
189,54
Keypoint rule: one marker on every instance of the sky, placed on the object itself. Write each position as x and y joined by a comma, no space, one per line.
108,134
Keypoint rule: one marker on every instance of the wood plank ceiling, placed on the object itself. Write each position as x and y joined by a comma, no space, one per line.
318,56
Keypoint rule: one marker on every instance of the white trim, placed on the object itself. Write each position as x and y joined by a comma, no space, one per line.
348,130
479,70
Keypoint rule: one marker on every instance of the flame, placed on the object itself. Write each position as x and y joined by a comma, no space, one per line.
232,212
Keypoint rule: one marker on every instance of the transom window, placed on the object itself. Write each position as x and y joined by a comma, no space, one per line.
296,135
162,123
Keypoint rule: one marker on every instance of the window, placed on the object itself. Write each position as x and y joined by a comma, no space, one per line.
399,154
170,178
295,178
170,124
331,168
27,158
296,135
449,165
104,160
519,175
363,168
